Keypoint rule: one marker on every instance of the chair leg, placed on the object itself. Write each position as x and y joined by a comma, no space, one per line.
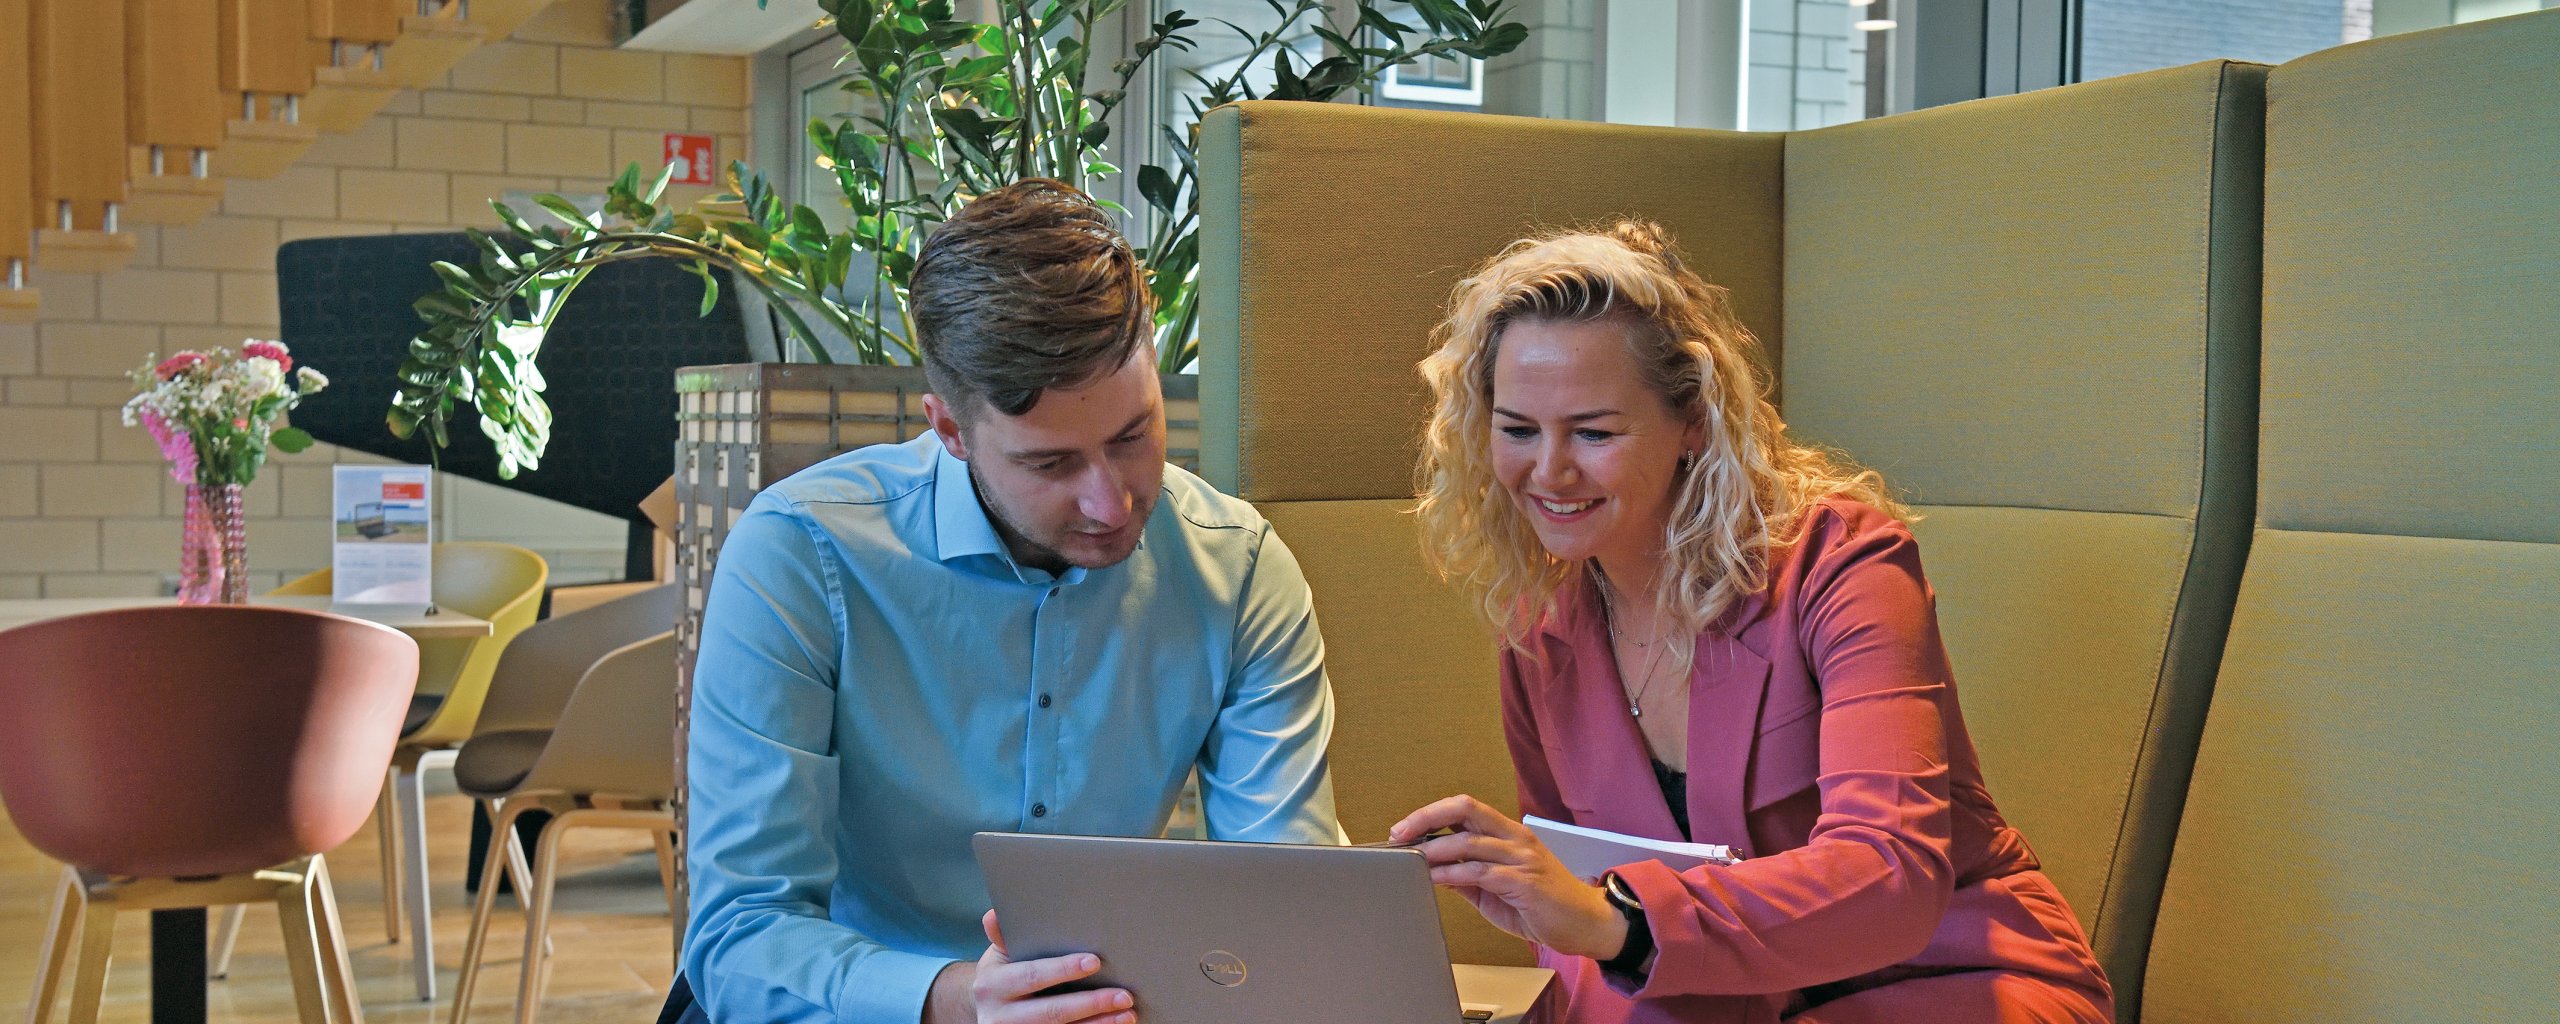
521,874
502,848
335,968
61,936
537,922
386,828
297,912
97,943
225,937
413,846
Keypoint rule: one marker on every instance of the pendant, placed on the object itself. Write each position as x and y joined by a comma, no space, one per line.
1634,712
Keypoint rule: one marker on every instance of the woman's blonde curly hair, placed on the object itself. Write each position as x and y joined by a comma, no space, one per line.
1744,495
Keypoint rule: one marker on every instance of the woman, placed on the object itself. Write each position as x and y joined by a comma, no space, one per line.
1711,633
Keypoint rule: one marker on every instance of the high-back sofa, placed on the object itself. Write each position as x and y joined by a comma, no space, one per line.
2230,397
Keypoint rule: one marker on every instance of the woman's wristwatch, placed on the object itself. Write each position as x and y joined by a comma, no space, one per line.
1634,960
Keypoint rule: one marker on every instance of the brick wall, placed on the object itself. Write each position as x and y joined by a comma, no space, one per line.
85,506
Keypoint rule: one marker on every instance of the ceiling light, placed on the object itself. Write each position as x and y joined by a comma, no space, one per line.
1873,25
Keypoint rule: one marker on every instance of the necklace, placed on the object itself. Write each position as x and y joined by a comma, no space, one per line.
1609,615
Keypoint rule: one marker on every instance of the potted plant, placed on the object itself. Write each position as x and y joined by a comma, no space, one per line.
957,108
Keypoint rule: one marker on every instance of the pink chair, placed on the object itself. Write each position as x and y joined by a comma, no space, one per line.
193,757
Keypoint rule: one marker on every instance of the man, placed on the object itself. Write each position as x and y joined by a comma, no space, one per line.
1022,621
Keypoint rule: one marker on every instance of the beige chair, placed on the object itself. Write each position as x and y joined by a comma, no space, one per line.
595,749
498,582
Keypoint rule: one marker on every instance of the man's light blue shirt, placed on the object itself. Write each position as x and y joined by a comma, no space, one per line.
879,680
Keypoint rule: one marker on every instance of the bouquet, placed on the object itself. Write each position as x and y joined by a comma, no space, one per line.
215,412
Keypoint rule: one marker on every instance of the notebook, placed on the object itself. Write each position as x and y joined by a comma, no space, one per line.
1591,852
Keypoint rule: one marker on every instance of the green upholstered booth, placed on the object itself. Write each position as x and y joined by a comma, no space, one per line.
2082,576
2370,832
2037,316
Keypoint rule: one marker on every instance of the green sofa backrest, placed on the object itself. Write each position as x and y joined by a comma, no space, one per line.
2037,316
2370,832
2035,313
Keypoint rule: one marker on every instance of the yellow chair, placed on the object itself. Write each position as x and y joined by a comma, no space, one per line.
498,582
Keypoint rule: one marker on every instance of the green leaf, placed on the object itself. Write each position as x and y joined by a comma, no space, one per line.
563,209
441,304
457,278
291,439
1158,187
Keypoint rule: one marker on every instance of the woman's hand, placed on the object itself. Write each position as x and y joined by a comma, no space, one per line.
1502,868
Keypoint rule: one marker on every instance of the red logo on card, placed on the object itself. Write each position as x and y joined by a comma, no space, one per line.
404,492
693,159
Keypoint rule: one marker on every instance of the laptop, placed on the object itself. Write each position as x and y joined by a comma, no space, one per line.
1245,933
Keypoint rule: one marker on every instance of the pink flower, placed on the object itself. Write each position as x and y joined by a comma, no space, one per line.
268,350
177,364
174,446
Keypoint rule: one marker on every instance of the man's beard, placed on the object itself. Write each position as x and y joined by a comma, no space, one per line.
1039,552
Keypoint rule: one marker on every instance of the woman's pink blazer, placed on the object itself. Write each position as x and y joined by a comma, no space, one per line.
1826,745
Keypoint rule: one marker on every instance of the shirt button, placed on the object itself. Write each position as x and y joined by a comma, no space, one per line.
1039,810
1044,700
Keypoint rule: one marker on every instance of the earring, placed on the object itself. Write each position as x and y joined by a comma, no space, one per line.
1687,459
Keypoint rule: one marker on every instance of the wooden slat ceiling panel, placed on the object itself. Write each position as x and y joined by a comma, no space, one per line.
173,81
357,21
77,55
266,47
17,182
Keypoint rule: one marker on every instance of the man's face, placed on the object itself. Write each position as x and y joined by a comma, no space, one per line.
1072,481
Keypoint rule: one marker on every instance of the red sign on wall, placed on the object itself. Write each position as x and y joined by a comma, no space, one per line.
692,156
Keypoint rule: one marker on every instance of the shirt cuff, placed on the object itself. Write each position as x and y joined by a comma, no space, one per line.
890,988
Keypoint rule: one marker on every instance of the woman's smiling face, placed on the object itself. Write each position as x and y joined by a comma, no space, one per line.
1586,449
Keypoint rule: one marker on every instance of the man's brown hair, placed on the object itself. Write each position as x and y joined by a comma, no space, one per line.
1028,288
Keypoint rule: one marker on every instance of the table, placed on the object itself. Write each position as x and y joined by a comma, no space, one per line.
444,624
178,936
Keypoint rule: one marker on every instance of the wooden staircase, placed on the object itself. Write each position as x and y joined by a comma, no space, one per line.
116,112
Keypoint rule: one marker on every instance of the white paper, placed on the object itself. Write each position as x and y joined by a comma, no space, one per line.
384,535
1591,852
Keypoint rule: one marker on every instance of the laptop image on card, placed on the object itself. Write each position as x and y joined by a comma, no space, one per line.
1245,933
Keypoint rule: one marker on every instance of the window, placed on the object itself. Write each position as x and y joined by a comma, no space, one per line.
1434,82
2120,37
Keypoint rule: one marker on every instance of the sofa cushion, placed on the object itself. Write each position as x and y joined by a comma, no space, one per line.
1418,714
2413,242
2368,836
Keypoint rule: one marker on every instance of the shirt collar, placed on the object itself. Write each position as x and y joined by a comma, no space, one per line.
962,528
960,524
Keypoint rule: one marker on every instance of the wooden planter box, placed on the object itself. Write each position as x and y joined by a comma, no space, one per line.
742,426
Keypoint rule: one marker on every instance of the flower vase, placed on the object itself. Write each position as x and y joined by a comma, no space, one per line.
213,560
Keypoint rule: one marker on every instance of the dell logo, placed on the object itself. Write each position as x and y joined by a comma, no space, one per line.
1223,968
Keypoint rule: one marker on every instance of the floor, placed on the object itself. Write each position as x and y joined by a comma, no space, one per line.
610,931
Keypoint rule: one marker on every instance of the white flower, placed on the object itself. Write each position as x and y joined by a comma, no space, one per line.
310,379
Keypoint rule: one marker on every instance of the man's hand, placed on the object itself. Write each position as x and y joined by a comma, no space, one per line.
996,990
